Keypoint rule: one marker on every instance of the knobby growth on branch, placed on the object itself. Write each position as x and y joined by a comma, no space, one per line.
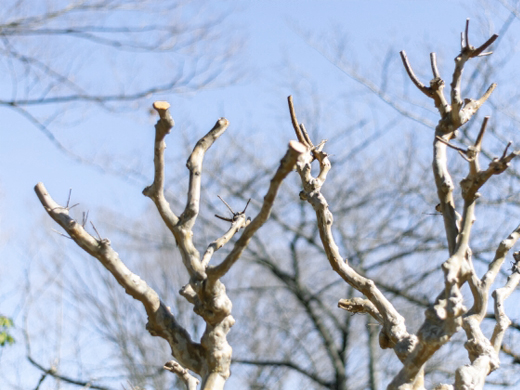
211,357
448,313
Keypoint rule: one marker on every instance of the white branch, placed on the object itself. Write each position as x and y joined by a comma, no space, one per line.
160,320
239,223
190,381
286,165
181,226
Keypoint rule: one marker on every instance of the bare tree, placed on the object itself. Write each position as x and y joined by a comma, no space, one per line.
62,59
211,358
448,312
444,317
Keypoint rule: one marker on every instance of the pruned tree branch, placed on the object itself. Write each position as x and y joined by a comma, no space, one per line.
211,358
394,333
448,313
160,320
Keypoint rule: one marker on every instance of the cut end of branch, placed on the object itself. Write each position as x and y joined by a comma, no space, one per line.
223,122
44,197
297,146
162,109
161,105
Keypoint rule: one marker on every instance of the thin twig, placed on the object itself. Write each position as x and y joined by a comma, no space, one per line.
68,200
478,142
85,219
247,204
451,145
224,218
433,61
228,206
99,235
306,135
505,150
61,234
40,381
466,33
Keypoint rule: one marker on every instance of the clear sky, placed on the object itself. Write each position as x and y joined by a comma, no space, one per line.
274,40
276,60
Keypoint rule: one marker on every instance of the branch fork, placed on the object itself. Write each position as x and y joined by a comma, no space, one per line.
211,358
449,312
393,333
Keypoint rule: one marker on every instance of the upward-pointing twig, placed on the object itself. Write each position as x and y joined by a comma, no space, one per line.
228,206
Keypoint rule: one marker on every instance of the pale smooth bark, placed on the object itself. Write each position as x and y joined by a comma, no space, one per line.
448,314
211,357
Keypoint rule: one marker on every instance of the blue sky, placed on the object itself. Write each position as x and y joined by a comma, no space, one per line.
276,59
272,43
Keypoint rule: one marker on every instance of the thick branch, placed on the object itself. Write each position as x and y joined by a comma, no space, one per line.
500,295
181,226
194,164
160,320
394,333
156,190
286,165
500,255
443,319
445,188
452,117
483,353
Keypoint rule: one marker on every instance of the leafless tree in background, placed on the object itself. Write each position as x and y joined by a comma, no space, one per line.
74,56
314,342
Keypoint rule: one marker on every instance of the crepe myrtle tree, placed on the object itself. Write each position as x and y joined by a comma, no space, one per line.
448,313
211,357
